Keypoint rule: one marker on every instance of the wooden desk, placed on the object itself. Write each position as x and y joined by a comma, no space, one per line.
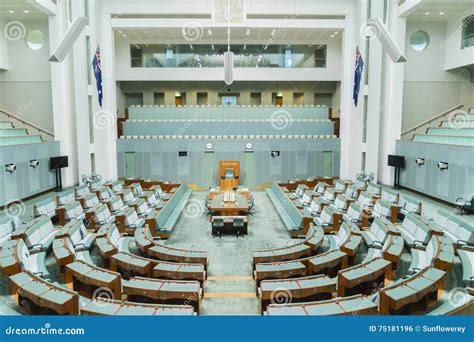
328,263
101,307
222,208
43,294
179,271
418,289
312,288
62,253
279,270
167,253
354,305
129,265
80,273
164,291
364,278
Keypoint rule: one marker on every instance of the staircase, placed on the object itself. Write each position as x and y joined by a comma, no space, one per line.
452,127
31,128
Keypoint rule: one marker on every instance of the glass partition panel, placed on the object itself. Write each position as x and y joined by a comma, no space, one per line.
212,56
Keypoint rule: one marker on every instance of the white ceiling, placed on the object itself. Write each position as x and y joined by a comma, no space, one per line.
19,7
449,8
217,35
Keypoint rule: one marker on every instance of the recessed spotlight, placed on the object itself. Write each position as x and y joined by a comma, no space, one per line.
441,13
332,36
11,11
26,11
120,32
124,35
336,32
427,13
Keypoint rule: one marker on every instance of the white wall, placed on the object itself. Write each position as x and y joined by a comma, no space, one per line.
124,71
26,87
428,88
456,57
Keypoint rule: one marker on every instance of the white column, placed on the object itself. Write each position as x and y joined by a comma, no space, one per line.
351,117
374,97
105,118
62,97
3,47
391,120
80,60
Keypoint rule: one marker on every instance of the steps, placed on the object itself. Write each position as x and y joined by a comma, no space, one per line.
12,121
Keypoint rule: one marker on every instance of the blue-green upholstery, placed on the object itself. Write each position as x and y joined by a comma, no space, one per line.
289,213
171,211
222,112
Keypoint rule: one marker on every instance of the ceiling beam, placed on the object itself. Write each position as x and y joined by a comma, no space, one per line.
125,23
410,6
44,6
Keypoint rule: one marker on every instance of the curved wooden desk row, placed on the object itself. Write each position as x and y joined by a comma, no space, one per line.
87,279
9,260
305,248
414,294
100,307
393,248
364,278
328,263
129,265
280,291
354,305
444,258
63,252
43,298
411,296
149,246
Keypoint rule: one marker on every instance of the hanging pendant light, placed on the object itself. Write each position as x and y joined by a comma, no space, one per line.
228,56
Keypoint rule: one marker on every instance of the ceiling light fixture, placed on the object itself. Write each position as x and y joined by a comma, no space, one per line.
26,11
427,13
11,11
441,13
209,32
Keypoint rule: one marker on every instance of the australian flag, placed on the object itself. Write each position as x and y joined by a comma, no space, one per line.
98,74
359,67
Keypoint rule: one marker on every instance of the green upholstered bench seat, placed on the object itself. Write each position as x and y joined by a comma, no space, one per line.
169,214
289,213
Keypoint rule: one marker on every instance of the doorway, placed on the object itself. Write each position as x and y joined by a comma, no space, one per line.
327,163
130,166
209,170
249,170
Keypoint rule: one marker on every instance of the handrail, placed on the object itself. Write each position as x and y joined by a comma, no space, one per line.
433,118
27,123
